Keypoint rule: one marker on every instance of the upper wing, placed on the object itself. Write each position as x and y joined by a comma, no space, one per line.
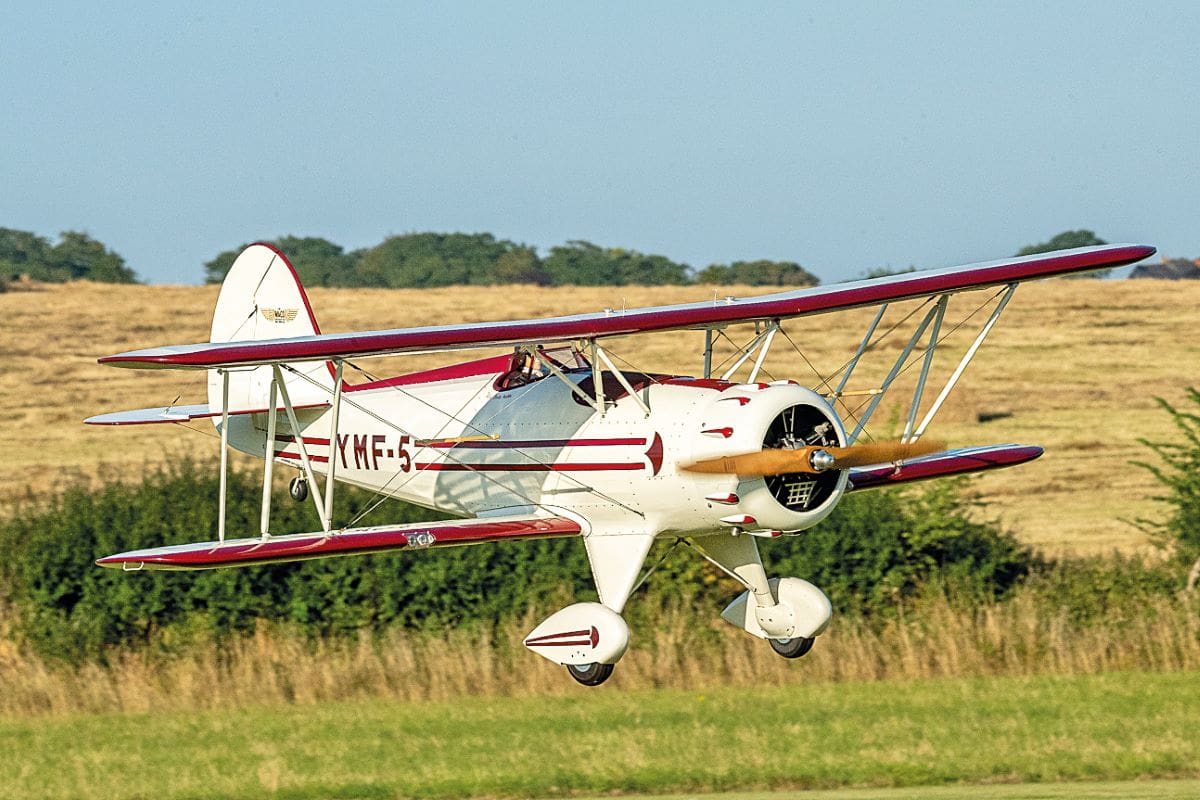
618,323
350,541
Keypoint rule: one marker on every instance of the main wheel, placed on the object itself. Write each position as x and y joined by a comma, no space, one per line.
590,674
298,489
792,648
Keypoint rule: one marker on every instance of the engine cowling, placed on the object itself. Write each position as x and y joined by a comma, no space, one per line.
751,417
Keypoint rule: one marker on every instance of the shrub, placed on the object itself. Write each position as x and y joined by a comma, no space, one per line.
1179,473
877,549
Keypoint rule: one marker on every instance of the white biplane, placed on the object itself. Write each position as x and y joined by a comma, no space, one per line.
554,439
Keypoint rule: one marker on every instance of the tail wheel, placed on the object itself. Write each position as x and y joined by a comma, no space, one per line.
792,648
298,489
590,674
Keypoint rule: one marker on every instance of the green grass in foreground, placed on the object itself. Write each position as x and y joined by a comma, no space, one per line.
1124,790
1093,728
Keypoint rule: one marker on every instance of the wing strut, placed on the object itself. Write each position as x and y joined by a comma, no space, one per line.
224,454
962,364
862,347
926,363
891,376
708,348
931,322
333,442
761,343
269,459
599,354
297,434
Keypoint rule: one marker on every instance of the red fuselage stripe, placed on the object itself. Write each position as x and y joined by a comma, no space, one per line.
533,443
570,467
305,439
318,459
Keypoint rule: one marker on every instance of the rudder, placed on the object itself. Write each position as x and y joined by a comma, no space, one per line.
262,298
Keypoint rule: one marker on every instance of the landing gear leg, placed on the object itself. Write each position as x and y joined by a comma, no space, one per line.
590,674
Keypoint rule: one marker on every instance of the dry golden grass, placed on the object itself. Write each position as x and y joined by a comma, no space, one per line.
1076,364
1017,638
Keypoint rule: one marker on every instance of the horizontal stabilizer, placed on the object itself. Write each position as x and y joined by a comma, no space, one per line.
349,541
156,416
938,465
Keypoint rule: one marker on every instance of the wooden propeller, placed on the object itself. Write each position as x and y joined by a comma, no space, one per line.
815,458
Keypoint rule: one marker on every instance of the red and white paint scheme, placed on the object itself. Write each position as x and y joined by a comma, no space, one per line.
552,438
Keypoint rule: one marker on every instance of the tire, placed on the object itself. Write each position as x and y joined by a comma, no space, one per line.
298,489
590,674
792,648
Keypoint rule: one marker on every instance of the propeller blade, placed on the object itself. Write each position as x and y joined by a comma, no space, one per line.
814,459
860,455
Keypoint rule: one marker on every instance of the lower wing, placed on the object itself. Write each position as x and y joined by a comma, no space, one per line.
350,541
938,465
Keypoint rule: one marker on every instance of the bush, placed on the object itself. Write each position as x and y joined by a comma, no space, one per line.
70,608
878,549
882,547
1179,473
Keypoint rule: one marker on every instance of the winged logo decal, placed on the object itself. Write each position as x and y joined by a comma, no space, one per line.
279,315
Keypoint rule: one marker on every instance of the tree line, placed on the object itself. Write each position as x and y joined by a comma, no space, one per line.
427,259
75,256
418,260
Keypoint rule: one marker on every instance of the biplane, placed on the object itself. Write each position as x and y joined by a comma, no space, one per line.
553,438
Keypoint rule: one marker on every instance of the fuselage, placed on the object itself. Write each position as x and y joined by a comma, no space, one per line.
472,441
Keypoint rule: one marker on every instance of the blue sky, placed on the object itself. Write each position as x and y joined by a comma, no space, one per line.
861,136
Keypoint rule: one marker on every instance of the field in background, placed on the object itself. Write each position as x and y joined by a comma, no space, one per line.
1073,365
1108,727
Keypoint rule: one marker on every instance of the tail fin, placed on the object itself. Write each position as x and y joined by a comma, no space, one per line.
262,298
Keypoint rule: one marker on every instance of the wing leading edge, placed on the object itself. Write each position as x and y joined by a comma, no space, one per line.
350,541
797,303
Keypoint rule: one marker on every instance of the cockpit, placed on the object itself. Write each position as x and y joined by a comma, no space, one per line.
529,367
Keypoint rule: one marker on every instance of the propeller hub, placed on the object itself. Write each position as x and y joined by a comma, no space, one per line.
822,461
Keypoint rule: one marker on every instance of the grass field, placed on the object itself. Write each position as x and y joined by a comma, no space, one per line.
1099,790
1112,727
1075,363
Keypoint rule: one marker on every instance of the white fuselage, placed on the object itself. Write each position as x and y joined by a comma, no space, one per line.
468,448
